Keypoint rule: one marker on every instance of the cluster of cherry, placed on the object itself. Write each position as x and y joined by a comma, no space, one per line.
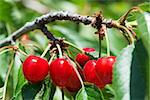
64,74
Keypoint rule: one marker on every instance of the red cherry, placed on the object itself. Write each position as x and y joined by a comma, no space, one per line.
35,69
73,84
104,67
82,58
60,71
90,74
89,49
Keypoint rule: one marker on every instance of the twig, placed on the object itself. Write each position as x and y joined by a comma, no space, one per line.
124,17
51,17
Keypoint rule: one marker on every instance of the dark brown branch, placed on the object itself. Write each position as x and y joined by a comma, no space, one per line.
50,17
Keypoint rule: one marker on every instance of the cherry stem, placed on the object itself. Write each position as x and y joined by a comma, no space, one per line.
107,43
6,80
51,58
46,50
22,52
99,45
59,50
124,17
129,33
7,47
63,96
5,50
80,79
66,42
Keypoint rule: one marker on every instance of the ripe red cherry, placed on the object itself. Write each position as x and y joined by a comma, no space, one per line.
89,49
60,71
82,59
104,68
90,74
73,84
35,69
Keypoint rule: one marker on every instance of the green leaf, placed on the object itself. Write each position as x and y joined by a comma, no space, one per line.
141,59
90,92
45,91
121,74
16,68
116,40
20,83
4,59
108,93
1,82
145,6
1,92
40,93
29,91
144,28
5,11
139,71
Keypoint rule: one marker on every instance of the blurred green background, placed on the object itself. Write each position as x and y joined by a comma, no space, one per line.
15,13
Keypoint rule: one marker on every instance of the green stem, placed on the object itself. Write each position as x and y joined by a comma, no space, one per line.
22,52
102,96
59,50
129,33
107,43
80,79
51,59
99,45
66,42
6,80
5,50
46,50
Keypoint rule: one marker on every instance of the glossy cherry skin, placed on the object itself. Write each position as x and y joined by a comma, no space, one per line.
82,59
89,72
60,71
89,49
104,68
35,69
73,84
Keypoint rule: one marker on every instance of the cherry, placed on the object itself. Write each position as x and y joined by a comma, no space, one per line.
35,69
90,74
24,37
73,85
82,59
89,49
60,71
104,68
